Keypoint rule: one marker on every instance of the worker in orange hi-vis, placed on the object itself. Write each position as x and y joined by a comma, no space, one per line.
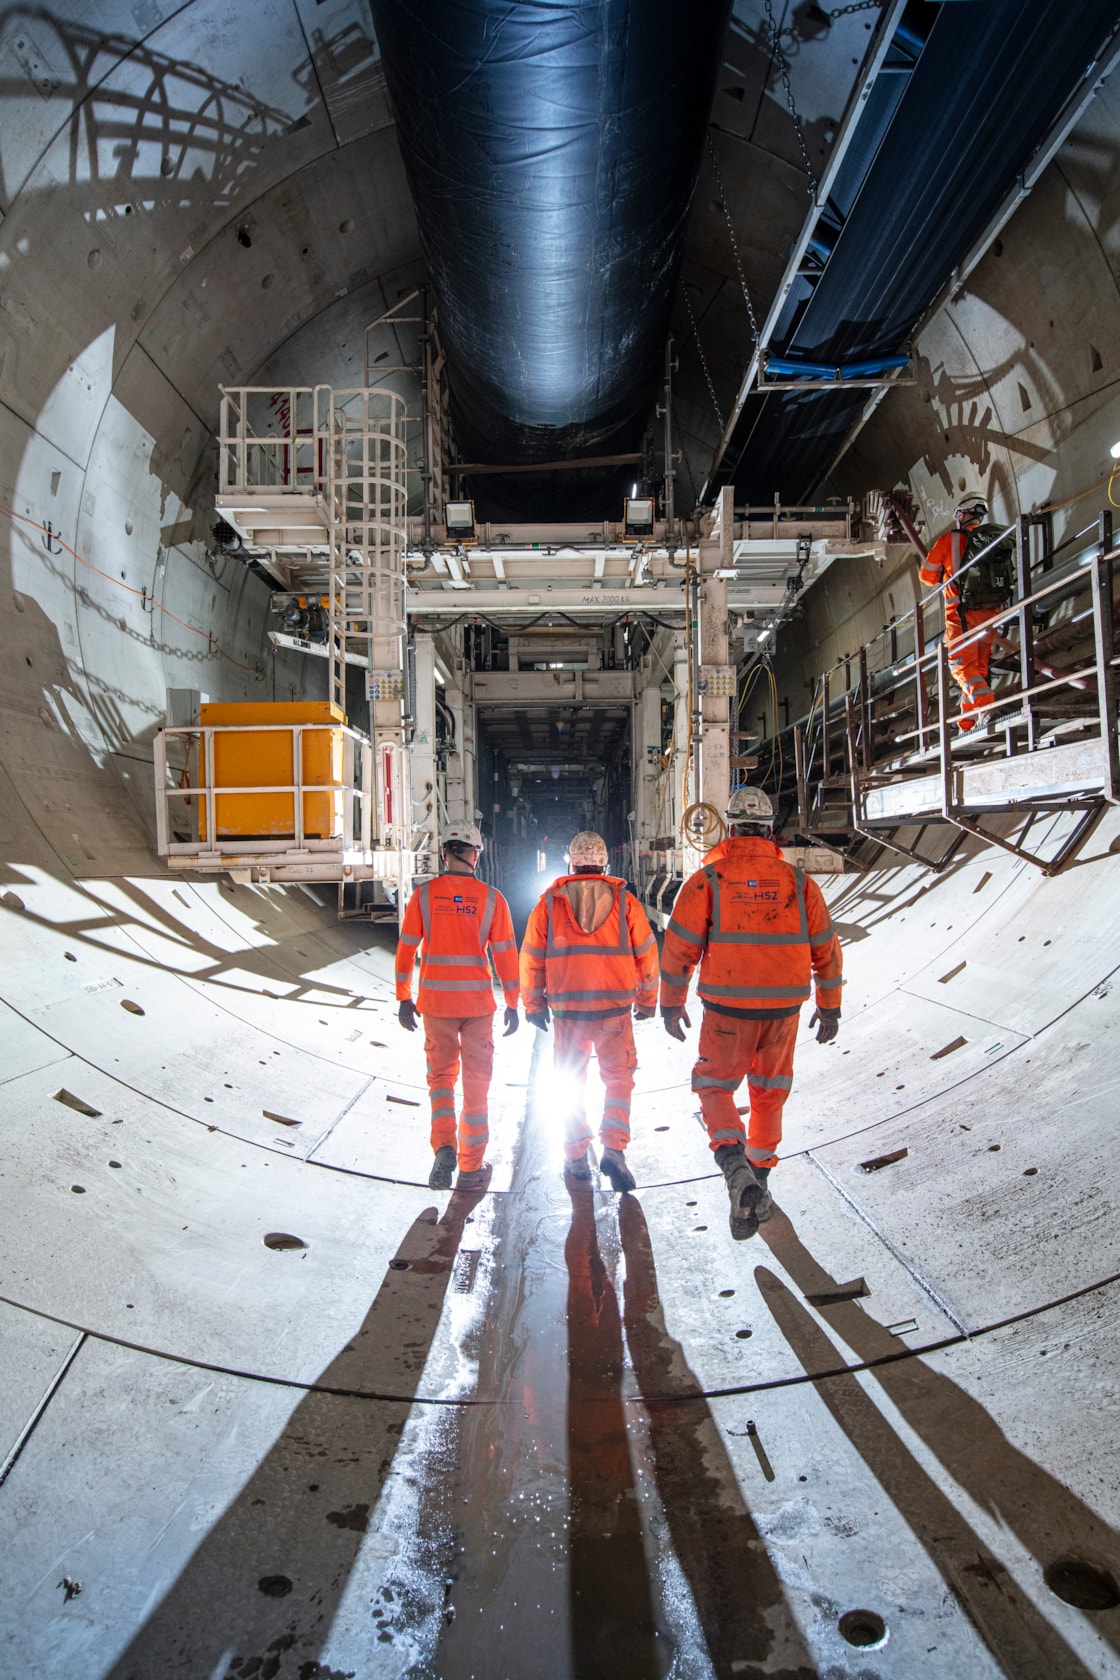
972,599
759,929
453,919
589,956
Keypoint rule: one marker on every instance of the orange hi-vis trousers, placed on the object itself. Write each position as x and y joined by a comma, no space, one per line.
449,1039
969,667
612,1041
733,1048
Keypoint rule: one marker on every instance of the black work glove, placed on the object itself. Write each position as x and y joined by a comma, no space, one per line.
641,1013
538,1018
829,1024
675,1021
512,1022
406,1014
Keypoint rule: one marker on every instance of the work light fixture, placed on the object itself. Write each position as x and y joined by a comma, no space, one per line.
458,519
637,521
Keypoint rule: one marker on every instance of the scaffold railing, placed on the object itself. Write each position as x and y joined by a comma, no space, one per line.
883,748
314,823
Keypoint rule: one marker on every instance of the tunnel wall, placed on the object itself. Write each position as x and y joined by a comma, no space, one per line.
128,294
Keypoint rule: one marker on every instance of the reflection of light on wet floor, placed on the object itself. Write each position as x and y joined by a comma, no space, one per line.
553,1095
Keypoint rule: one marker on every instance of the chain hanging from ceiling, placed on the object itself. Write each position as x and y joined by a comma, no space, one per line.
782,63
734,243
703,358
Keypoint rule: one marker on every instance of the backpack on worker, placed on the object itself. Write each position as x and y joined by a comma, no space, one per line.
991,581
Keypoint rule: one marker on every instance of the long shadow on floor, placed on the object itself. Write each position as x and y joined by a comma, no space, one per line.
1046,1517
739,1598
259,1595
615,1631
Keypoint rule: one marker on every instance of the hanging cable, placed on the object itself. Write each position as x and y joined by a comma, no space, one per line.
148,602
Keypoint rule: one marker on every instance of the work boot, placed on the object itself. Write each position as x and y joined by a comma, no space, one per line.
613,1163
477,1179
578,1168
764,1207
443,1169
743,1188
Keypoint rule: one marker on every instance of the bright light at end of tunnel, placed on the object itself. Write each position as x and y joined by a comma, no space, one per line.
1115,452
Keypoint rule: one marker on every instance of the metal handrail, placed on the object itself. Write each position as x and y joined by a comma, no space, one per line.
355,833
859,768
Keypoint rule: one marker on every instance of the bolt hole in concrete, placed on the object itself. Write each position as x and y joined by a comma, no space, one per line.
725,1294
282,1239
690,1204
661,1128
863,1628
743,1335
78,1189
114,1163
274,1586
1087,1586
70,957
1029,1172
133,1008
400,1265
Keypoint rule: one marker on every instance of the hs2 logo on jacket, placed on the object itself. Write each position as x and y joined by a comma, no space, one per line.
764,890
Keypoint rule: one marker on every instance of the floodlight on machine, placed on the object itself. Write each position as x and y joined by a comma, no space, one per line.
1115,452
458,520
637,521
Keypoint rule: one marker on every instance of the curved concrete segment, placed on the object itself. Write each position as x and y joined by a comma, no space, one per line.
271,1409
369,1446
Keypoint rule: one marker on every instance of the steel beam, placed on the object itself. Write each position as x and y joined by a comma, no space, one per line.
552,688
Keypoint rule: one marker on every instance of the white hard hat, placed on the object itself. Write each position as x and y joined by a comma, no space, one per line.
975,505
749,805
587,850
461,834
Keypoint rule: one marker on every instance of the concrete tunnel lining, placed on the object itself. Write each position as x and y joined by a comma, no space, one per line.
932,1474
354,1223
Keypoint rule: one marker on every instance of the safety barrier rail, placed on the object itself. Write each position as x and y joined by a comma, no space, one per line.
273,438
880,750
315,826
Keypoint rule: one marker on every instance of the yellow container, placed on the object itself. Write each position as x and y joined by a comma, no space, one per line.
248,758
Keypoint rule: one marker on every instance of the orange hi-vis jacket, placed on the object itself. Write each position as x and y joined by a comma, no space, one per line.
588,949
759,929
940,566
453,918
941,563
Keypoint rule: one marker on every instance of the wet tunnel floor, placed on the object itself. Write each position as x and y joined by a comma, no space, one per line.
576,1497
584,1532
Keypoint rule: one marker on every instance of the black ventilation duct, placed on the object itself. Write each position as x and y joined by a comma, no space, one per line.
552,148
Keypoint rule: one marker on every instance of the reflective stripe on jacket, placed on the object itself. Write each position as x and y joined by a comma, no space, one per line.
759,929
940,564
452,919
578,971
